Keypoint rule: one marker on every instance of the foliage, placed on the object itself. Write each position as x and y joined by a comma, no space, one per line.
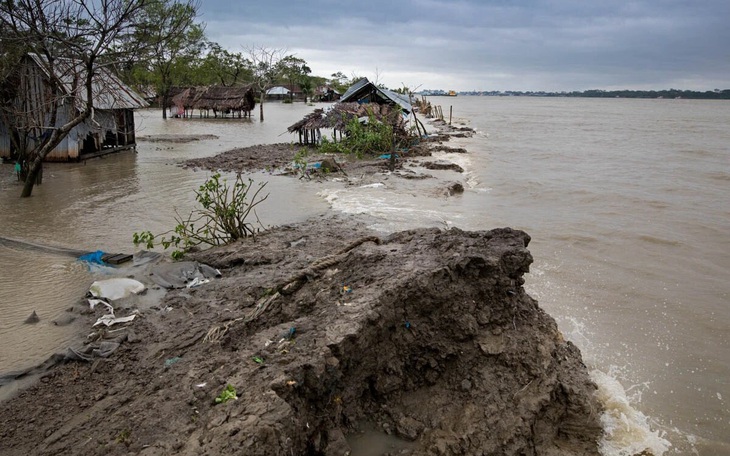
228,393
295,71
222,217
374,137
172,41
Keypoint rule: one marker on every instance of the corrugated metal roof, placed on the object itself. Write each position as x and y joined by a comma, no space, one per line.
278,91
352,94
108,91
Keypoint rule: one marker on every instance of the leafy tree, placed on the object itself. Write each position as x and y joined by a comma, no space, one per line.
224,67
173,41
295,71
71,40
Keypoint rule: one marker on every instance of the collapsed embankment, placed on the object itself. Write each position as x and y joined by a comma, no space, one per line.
323,328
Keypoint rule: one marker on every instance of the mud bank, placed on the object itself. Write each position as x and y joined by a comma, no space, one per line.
322,329
279,157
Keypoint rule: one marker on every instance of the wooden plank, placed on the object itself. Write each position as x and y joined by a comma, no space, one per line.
116,258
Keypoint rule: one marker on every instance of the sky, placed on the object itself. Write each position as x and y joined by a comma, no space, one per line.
525,45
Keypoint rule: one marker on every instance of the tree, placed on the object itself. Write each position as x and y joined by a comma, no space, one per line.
71,40
224,67
295,71
171,40
264,66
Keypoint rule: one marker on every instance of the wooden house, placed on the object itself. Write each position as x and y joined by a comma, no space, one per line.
222,101
27,110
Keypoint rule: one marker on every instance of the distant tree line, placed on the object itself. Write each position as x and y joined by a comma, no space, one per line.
716,94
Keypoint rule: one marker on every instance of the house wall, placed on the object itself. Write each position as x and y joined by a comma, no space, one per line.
106,128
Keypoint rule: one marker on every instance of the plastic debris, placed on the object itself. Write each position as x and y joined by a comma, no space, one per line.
93,257
110,319
346,289
170,361
117,288
197,281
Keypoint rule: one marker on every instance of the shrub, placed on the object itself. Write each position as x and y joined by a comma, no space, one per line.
222,217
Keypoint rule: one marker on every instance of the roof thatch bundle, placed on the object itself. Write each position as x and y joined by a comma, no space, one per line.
217,98
341,114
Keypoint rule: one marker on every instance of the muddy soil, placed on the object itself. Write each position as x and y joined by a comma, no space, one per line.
323,328
279,157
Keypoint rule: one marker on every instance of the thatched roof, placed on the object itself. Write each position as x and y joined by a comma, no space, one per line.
339,115
218,98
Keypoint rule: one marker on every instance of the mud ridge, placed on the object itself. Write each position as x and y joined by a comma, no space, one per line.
321,328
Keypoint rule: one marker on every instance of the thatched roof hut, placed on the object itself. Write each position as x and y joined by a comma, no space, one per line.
340,115
220,100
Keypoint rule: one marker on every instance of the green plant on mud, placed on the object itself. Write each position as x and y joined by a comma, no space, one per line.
300,162
374,137
222,218
228,393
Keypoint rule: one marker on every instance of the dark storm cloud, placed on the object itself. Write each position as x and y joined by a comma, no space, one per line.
521,45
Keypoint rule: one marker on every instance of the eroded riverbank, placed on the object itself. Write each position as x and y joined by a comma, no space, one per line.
429,333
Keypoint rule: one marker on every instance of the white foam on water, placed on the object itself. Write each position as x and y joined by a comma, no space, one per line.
627,430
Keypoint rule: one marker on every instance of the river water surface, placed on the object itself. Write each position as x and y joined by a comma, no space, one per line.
626,202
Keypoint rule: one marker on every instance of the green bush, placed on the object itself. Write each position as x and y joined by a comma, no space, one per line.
222,217
371,138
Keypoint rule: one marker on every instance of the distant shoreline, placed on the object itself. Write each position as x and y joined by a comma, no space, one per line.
595,93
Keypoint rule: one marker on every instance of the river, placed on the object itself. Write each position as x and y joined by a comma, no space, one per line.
626,202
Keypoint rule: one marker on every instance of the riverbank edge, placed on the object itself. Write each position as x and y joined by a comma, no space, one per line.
146,408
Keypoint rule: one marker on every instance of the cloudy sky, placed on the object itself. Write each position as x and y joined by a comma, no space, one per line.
492,44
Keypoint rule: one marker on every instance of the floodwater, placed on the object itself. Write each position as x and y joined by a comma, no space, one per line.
626,202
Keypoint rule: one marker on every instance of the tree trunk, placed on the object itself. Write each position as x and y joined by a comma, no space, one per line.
165,100
261,106
32,177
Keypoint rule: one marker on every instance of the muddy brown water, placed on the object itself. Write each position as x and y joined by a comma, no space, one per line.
626,202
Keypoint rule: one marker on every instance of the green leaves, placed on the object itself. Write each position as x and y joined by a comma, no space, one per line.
226,395
222,217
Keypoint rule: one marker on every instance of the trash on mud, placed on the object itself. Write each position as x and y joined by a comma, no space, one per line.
110,319
170,361
116,288
93,257
226,395
182,274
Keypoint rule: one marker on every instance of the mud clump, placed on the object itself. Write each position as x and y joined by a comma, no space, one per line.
321,327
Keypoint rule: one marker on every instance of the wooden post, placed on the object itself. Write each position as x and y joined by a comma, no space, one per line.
451,109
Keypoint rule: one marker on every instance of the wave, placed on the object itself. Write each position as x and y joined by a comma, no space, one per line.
627,430
658,240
